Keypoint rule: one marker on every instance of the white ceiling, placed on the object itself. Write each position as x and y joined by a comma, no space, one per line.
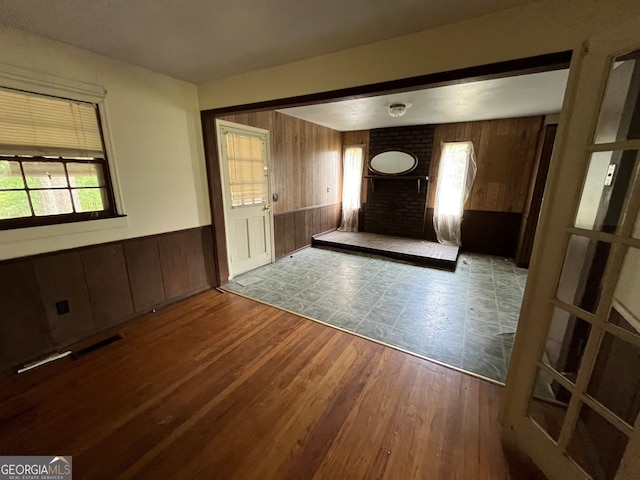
517,96
200,40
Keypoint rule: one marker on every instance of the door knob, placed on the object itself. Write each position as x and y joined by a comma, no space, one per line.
267,207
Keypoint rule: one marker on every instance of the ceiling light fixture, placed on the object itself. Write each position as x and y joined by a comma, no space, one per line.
397,109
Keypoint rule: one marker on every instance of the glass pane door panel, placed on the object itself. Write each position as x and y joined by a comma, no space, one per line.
618,119
615,380
616,318
247,170
626,297
596,445
548,404
581,279
565,344
604,191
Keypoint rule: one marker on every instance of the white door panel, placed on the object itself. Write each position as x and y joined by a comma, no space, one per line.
244,161
240,245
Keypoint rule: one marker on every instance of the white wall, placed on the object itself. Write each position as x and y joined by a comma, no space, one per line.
541,27
154,126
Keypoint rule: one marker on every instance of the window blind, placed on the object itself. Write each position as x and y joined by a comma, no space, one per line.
247,175
32,124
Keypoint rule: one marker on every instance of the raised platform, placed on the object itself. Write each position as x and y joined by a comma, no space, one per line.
403,248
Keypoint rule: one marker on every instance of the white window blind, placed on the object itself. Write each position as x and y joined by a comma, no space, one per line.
32,124
247,170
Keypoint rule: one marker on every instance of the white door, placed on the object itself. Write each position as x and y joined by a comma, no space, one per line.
244,163
573,390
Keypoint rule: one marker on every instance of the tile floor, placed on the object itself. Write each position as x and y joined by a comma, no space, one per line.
465,318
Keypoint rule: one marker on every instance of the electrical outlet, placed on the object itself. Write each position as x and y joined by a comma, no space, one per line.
62,307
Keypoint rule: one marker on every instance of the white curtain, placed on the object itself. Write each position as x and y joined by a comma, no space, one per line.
456,174
351,183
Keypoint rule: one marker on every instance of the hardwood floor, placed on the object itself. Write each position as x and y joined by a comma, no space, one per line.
219,386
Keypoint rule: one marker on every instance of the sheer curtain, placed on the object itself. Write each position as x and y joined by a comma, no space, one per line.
456,174
351,183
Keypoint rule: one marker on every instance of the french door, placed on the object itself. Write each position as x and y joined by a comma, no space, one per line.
573,390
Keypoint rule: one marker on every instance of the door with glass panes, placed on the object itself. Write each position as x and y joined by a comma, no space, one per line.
573,389
244,160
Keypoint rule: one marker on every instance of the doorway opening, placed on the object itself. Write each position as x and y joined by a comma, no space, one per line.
483,302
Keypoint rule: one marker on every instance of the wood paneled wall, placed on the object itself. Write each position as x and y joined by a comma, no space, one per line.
306,160
103,285
505,155
306,174
533,202
293,230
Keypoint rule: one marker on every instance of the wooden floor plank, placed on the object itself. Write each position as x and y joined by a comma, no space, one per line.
219,386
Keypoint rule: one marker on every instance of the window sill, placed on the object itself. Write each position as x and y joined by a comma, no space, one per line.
72,228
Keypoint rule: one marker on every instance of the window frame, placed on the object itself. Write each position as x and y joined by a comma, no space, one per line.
38,220
74,91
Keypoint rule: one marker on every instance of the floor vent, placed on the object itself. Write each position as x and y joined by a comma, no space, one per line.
96,346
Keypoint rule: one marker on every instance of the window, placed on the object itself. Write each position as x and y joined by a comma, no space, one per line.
351,185
246,158
53,167
456,174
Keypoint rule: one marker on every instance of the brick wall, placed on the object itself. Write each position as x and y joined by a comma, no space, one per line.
396,207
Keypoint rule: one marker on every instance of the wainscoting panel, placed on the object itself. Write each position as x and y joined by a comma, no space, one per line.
319,218
293,230
491,233
289,236
199,245
102,285
145,273
108,282
279,233
303,227
24,330
61,278
175,266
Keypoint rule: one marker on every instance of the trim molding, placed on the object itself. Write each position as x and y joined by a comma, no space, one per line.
521,66
47,84
313,207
